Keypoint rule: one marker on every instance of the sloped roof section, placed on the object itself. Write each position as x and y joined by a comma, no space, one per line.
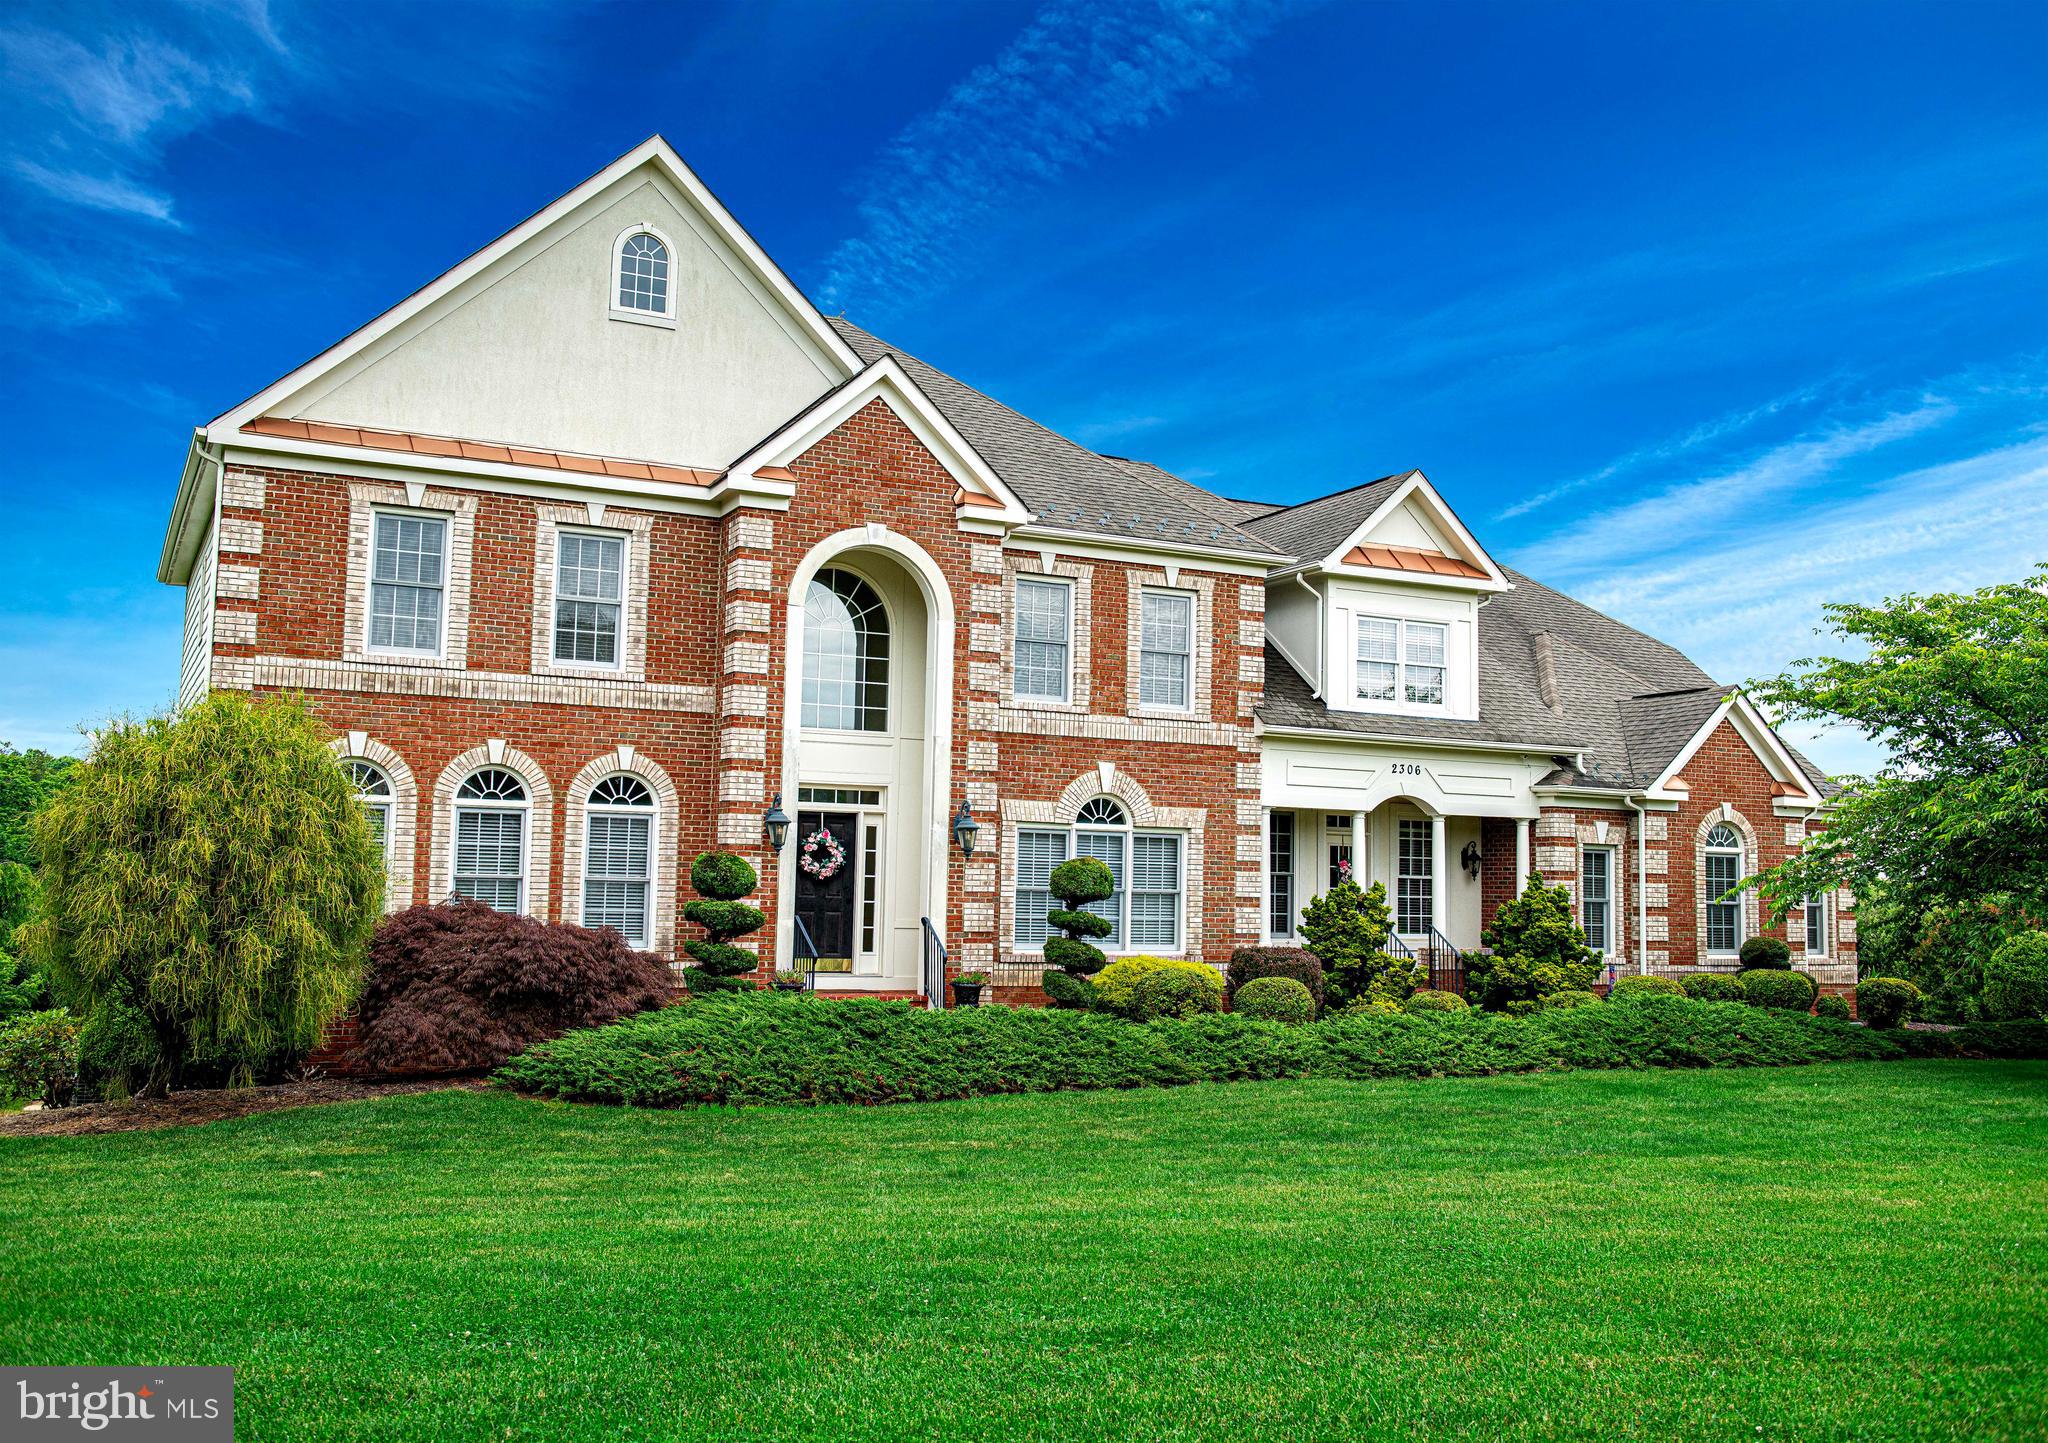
1067,486
1313,529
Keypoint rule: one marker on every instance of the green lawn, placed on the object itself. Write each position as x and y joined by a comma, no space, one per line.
1823,1252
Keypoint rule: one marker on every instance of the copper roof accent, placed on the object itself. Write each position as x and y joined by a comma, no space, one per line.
775,473
963,497
1787,789
1409,558
457,449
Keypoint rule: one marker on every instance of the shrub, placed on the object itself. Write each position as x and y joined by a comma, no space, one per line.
1248,964
1640,986
215,868
116,1049
1833,1006
1064,989
1184,990
1275,998
1116,986
1711,986
1426,999
1771,953
1347,929
460,987
39,1056
1538,949
1885,1001
22,988
1767,987
1570,997
2016,979
1950,948
720,880
767,1048
1076,882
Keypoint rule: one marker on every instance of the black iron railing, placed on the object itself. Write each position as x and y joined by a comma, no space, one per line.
934,966
806,958
1446,964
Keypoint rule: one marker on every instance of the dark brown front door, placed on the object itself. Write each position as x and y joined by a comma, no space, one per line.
825,904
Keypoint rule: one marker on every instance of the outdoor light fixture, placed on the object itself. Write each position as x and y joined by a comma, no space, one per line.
965,828
1471,858
775,822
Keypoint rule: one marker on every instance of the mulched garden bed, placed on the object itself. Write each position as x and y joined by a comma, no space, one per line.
206,1105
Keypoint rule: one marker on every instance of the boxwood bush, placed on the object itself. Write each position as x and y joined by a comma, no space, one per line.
1248,964
1770,953
1183,990
1885,1001
1641,986
768,1048
1570,997
1712,986
2016,978
1277,999
1116,986
1832,1006
1429,999
1767,987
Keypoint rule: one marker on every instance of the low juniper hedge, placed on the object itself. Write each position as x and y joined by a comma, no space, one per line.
772,1049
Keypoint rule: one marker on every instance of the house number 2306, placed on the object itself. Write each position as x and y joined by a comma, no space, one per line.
1407,769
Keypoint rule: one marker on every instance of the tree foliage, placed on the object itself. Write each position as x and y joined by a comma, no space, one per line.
1954,686
721,879
28,779
1538,948
1076,882
215,868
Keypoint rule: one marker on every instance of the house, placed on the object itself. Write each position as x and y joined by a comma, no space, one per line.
606,548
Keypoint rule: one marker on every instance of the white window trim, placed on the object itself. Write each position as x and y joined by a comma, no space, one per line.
523,809
635,528
399,835
537,855
366,500
1130,832
1435,875
1294,902
661,910
1067,701
1745,864
1201,594
409,653
1400,701
1818,900
663,318
1608,944
651,814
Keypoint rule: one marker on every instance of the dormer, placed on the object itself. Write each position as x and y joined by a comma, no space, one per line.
1381,612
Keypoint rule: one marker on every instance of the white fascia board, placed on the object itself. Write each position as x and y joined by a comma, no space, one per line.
887,381
1384,739
1418,485
456,473
1750,725
191,509
1102,547
655,151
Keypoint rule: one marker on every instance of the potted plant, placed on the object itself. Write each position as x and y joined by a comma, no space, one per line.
967,988
789,980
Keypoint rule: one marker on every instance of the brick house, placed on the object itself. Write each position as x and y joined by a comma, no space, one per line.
607,547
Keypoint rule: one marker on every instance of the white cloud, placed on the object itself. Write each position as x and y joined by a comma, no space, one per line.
98,192
1081,75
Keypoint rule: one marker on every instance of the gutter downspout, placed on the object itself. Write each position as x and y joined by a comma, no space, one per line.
1322,641
1641,888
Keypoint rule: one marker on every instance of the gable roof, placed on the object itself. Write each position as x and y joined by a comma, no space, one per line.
1314,528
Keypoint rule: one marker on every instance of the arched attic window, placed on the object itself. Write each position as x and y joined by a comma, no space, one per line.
641,276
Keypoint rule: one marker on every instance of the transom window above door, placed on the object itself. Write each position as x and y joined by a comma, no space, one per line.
846,655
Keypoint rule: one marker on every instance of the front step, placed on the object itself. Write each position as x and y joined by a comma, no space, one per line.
915,999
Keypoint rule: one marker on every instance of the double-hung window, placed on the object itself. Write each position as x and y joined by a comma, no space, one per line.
1723,870
1147,879
1403,661
1596,897
1817,925
1280,874
408,582
1414,879
589,576
1166,649
618,851
1041,661
490,839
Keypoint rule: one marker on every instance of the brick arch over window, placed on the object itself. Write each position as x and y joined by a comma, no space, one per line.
667,823
360,746
540,821
1110,780
1723,815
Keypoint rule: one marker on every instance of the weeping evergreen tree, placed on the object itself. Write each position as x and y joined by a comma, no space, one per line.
214,871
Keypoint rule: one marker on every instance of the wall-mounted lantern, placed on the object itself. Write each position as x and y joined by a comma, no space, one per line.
965,829
775,822
1471,858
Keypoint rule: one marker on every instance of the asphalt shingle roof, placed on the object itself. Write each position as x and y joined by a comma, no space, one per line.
1313,529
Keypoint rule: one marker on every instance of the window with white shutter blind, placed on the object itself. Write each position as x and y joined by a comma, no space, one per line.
408,569
1146,873
490,840
1037,854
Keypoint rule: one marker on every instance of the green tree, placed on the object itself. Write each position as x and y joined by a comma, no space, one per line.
1077,882
27,780
215,869
1954,686
1538,949
721,880
1347,929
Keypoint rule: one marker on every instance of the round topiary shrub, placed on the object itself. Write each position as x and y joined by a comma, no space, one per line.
1570,997
721,879
1248,964
1832,1006
1185,990
1711,987
2016,979
1277,999
1428,999
1787,991
1885,1001
1770,953
1640,986
1064,989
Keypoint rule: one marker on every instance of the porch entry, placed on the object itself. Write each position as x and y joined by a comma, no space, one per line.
827,843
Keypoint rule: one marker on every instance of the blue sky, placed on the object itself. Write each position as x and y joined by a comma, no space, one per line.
1704,313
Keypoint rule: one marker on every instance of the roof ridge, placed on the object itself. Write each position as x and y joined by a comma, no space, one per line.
1333,495
1678,691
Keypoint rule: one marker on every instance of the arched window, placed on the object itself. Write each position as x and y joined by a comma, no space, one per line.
1722,872
846,655
373,794
643,274
618,856
490,839
1144,908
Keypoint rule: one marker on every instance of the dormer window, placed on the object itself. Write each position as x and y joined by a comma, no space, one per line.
641,282
1402,660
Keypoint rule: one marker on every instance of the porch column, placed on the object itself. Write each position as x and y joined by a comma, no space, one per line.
1265,897
1361,872
1439,890
1521,857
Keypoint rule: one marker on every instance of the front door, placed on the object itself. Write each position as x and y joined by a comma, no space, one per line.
828,856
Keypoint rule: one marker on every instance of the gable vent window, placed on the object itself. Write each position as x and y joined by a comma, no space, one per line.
587,585
1402,661
643,274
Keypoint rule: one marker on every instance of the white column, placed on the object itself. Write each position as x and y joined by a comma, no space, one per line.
1440,872
1265,872
1521,856
1361,869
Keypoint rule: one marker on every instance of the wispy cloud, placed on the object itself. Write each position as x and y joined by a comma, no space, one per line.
1081,75
98,192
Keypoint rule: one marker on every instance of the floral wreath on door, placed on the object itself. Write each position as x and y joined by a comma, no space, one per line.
822,855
